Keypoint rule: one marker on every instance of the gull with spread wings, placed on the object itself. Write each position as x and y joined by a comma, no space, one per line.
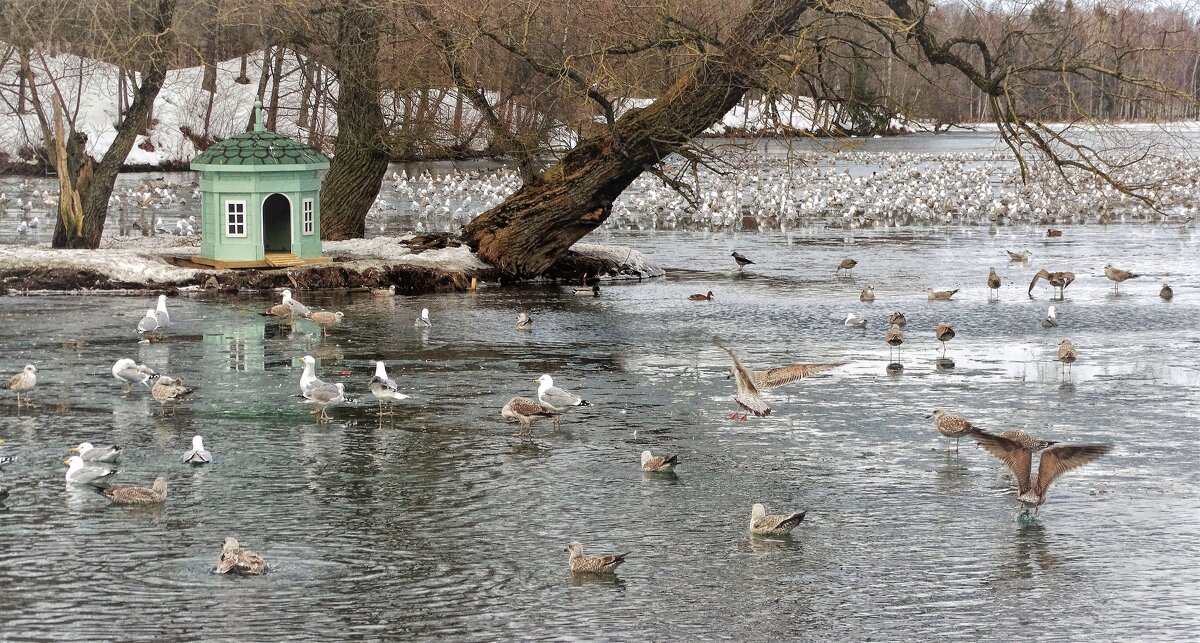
1015,449
751,382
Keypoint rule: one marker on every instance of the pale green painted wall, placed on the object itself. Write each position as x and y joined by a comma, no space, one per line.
253,187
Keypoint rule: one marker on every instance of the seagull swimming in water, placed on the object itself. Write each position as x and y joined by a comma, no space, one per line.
1050,320
854,321
423,320
197,454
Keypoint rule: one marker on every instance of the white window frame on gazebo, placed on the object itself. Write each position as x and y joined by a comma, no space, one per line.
309,219
230,222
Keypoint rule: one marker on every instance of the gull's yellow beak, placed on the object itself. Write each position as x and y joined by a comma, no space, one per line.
73,449
67,462
1,441
536,379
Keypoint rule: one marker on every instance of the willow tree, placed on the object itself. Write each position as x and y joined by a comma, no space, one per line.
139,37
774,39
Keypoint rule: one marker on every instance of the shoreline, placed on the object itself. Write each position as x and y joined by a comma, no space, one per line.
135,265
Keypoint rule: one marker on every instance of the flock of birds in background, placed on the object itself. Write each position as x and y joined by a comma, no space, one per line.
1015,449
767,192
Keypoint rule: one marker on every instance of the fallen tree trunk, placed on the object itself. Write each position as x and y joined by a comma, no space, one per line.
535,226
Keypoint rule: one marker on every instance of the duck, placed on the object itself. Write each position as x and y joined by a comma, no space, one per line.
155,494
699,297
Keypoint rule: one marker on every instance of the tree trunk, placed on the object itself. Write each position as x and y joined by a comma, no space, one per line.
276,73
535,226
95,190
360,153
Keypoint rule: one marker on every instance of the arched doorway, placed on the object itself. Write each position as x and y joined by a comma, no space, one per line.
277,224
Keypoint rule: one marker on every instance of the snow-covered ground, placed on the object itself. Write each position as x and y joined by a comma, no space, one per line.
141,259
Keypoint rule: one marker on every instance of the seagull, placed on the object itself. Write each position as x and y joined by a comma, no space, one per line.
90,453
168,389
944,333
308,379
81,473
1066,355
867,294
138,495
524,322
325,319
23,382
854,321
1116,275
894,338
993,283
384,388
390,291
742,262
523,410
297,307
1051,319
1020,257
1166,293
699,297
149,323
198,454
550,394
940,295
587,291
764,524
659,464
279,310
130,372
846,264
236,560
747,396
581,564
325,396
1059,280
160,313
951,426
423,320
1016,452
898,319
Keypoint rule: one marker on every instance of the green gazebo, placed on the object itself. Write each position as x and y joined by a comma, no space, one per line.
260,201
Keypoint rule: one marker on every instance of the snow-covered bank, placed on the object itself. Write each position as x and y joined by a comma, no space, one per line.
133,263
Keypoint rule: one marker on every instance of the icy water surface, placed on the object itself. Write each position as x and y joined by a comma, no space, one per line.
442,521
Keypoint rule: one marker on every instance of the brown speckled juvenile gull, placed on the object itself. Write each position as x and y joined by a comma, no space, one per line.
952,426
169,389
944,333
325,319
846,264
1116,275
523,410
894,338
867,295
235,560
1166,293
1066,353
747,396
390,291
581,564
1060,280
23,382
1017,455
993,283
138,495
1020,257
1028,441
898,319
940,295
279,310
764,524
659,464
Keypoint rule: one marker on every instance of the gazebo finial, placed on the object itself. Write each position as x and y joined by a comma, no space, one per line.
258,124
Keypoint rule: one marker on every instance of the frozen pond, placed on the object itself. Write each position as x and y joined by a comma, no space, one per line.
442,521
